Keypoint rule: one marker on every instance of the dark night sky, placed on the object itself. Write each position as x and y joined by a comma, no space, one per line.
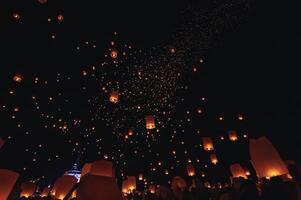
253,70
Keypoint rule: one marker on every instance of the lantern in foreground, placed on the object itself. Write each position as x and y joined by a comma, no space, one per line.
27,189
99,168
213,159
237,171
114,53
1,142
150,122
207,144
124,186
131,183
45,192
232,135
190,170
7,182
63,186
18,78
266,159
114,97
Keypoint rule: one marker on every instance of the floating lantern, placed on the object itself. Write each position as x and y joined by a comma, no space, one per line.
114,97
152,189
45,192
213,159
207,144
60,17
114,53
63,186
8,180
16,16
131,183
27,189
190,170
237,171
100,168
150,122
2,142
266,159
124,186
140,177
130,133
178,182
232,136
172,50
18,78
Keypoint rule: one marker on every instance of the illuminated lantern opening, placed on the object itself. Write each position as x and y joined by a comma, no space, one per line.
114,53
213,159
18,78
152,189
114,97
8,180
266,159
190,170
131,183
140,177
150,122
237,171
207,144
45,192
27,189
130,132
16,16
124,186
232,136
63,186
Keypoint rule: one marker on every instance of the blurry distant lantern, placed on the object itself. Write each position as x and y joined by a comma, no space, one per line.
114,53
130,132
1,142
27,189
60,17
152,189
178,182
213,159
150,122
237,171
240,117
207,144
131,183
8,180
63,186
42,1
18,78
45,192
172,50
266,159
16,16
140,177
98,168
190,170
199,110
232,135
114,97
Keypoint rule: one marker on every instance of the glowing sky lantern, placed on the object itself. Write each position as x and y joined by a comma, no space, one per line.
207,144
232,136
99,168
152,189
27,189
60,17
131,183
150,122
190,170
124,186
18,78
237,171
98,188
63,185
114,53
7,182
1,142
16,16
45,192
213,159
266,159
114,97
140,177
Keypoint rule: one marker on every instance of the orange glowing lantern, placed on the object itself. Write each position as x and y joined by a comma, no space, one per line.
114,97
150,122
98,168
178,183
114,54
232,136
140,177
60,17
207,144
2,142
18,78
45,192
266,159
237,171
63,186
213,159
152,189
130,133
98,187
16,16
27,189
124,186
8,180
131,183
190,170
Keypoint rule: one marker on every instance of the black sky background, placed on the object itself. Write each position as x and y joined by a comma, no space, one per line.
255,70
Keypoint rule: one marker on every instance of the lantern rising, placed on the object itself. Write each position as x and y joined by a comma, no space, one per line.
152,189
18,78
7,181
63,185
27,189
207,144
237,171
232,136
266,159
150,122
131,183
213,159
114,97
45,192
124,186
140,177
190,170
114,53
